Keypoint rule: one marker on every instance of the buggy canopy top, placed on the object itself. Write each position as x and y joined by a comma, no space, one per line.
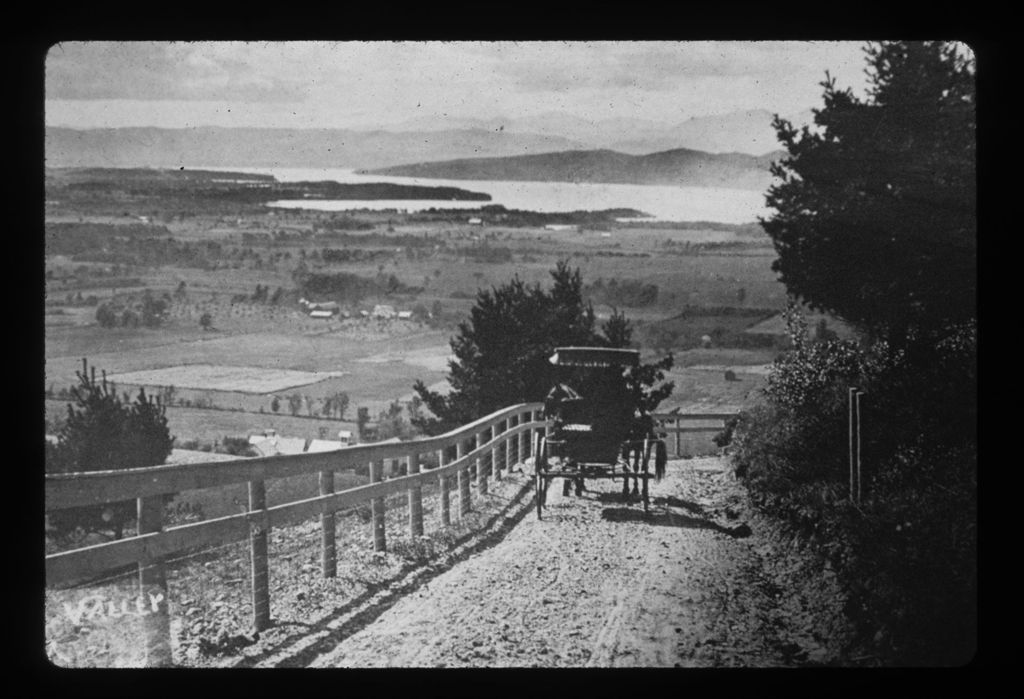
595,357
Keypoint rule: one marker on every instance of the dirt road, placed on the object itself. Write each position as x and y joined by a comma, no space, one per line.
701,581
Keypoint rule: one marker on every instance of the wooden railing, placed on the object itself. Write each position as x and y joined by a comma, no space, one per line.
510,427
672,426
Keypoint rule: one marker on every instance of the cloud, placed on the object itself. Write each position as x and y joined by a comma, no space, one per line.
659,66
337,83
161,71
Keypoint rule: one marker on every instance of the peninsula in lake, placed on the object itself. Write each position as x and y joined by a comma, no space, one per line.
181,189
679,167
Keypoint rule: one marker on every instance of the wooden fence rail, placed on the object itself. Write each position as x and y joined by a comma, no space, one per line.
669,424
75,490
153,543
482,449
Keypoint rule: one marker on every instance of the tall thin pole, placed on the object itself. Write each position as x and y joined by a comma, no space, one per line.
850,413
857,404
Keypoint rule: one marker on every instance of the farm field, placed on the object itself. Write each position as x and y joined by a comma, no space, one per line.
224,378
218,267
207,426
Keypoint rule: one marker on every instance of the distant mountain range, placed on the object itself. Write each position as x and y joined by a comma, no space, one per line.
298,148
679,167
747,131
419,140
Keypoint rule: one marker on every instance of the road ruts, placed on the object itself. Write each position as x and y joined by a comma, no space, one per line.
598,584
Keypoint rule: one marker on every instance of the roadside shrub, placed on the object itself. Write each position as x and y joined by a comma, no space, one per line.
907,554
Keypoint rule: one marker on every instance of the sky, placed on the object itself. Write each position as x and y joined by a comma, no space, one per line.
374,84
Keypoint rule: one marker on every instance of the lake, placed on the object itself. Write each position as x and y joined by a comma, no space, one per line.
663,203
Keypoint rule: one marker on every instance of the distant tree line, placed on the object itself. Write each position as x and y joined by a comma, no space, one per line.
150,312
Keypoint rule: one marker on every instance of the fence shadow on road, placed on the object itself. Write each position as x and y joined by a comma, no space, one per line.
663,517
409,579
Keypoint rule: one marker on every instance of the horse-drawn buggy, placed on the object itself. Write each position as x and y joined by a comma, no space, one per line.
597,427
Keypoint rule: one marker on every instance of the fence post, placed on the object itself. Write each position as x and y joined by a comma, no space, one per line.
509,425
498,459
328,552
377,508
481,465
415,499
463,471
446,516
521,452
679,437
535,435
258,555
153,588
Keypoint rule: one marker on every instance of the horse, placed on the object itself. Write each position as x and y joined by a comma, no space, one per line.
633,451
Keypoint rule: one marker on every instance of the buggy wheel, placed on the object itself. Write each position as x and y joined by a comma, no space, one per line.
538,487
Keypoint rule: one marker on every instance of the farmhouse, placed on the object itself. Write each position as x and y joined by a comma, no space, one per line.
346,437
321,314
405,315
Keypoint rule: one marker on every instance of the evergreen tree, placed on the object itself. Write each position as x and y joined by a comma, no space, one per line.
876,208
105,432
502,350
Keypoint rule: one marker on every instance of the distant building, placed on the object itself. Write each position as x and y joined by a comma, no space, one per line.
291,445
193,456
561,227
260,436
321,445
475,222
317,310
275,445
345,436
264,446
405,315
382,311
